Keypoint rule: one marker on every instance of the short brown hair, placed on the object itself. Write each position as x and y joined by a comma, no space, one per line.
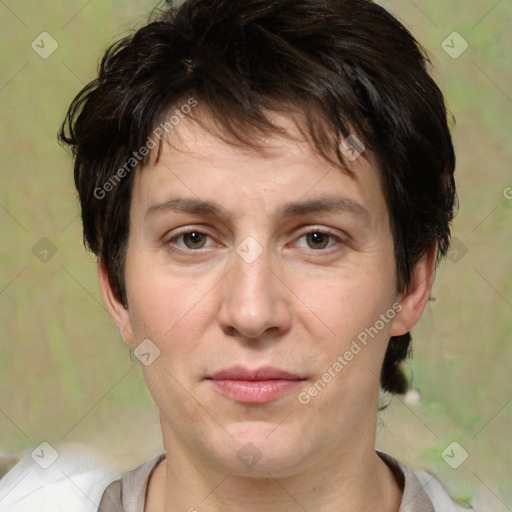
346,66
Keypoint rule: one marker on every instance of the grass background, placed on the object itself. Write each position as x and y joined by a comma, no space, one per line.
65,374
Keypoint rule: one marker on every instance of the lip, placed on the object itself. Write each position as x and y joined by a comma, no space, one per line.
254,386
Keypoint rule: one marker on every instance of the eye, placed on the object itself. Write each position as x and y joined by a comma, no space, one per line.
317,240
192,240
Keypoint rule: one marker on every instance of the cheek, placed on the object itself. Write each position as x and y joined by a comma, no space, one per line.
344,304
166,306
173,311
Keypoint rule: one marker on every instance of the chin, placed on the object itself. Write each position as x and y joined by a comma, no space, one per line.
258,448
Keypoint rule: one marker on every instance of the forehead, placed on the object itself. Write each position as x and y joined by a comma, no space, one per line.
200,135
195,162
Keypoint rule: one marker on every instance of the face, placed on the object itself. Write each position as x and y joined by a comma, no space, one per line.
266,281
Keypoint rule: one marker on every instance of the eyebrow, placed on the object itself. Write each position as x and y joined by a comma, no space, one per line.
326,204
190,205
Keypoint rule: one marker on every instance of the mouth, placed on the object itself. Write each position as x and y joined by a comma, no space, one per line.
254,386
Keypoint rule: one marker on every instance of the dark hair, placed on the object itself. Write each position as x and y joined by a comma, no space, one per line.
340,67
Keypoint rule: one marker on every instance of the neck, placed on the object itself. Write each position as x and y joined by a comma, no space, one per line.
346,480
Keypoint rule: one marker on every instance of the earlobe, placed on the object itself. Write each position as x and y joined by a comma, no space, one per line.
414,300
118,311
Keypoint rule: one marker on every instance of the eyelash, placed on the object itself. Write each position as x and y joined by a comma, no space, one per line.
323,231
179,235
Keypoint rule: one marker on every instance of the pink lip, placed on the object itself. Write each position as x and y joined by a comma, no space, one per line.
254,386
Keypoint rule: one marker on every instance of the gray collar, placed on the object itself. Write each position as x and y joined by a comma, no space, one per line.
129,493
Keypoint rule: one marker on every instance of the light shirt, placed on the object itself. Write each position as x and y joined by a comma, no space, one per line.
128,494
78,482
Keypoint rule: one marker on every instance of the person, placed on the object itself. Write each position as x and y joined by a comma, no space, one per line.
267,186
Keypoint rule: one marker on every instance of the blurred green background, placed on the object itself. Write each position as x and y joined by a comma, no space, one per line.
66,375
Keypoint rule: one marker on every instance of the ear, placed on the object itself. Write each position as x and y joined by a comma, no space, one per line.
414,300
116,308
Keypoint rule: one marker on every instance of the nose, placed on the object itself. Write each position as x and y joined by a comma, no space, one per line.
255,302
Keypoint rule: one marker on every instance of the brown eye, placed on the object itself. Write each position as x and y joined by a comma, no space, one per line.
194,239
317,240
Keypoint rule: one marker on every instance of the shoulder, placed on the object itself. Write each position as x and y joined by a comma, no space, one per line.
128,494
49,479
439,496
421,490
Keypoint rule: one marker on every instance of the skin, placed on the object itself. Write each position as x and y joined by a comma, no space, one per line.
297,306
